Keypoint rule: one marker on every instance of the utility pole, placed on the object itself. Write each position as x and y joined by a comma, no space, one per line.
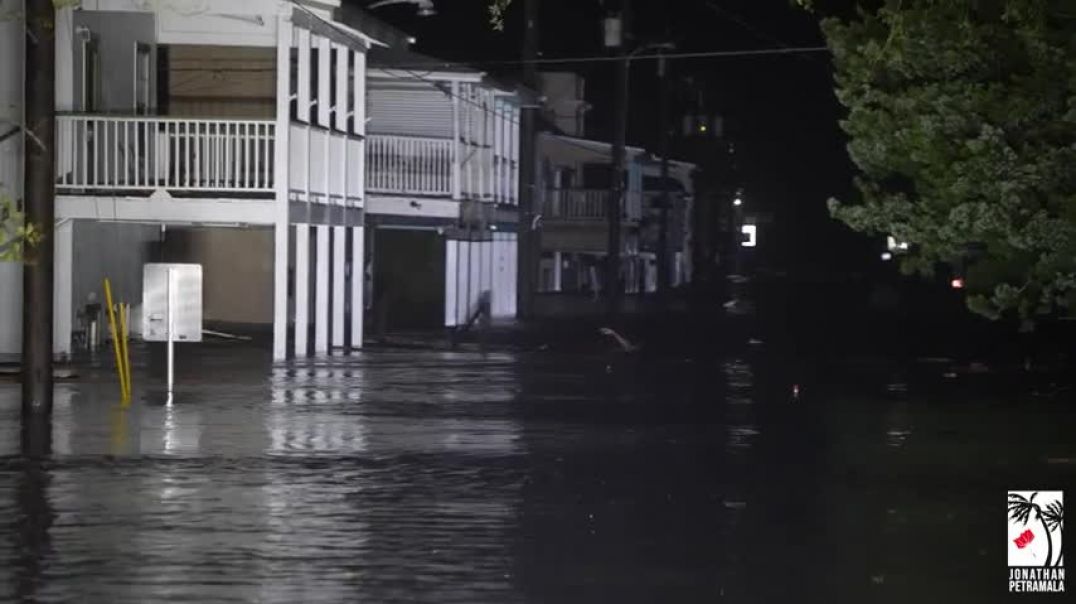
39,194
615,206
663,145
529,236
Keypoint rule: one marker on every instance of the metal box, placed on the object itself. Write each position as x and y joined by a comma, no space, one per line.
182,283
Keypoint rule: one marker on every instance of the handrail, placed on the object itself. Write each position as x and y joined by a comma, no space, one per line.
121,153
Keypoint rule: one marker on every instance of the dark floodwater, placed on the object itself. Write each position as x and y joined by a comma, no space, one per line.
503,477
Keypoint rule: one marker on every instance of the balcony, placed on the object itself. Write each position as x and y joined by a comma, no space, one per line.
99,154
112,153
409,165
586,205
437,167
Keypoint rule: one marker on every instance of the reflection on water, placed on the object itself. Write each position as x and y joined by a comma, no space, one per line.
466,477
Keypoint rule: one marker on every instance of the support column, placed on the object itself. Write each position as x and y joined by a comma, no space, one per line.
321,288
558,264
358,284
339,271
302,288
281,185
61,295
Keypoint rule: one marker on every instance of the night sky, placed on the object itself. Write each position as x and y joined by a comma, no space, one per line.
779,111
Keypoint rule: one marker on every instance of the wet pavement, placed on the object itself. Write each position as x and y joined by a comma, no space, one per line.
510,475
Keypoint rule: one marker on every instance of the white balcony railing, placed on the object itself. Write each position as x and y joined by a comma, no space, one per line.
142,153
409,165
586,204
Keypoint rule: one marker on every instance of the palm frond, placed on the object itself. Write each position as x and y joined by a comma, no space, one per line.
1054,516
1020,508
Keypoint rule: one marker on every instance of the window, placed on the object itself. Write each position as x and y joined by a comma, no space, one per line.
143,91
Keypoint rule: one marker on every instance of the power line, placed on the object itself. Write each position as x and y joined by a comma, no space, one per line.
755,52
641,56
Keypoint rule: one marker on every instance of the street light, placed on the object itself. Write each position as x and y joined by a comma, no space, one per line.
737,202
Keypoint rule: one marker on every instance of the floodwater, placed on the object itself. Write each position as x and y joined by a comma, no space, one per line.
540,476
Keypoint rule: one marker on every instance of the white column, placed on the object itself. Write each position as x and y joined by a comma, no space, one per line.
457,150
302,77
324,91
339,260
558,263
358,283
321,285
61,294
342,54
302,288
451,293
281,174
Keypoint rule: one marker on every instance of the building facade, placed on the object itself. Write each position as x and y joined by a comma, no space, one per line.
227,132
442,185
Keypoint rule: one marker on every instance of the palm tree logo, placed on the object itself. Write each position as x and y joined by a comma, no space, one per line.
1051,517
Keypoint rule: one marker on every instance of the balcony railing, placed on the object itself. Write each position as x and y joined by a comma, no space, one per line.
178,154
585,204
409,165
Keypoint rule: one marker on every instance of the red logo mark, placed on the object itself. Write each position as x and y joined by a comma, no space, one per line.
1024,538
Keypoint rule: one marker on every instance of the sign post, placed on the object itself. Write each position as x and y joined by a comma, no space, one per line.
172,308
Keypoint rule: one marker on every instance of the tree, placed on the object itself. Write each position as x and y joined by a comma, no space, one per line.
16,236
962,122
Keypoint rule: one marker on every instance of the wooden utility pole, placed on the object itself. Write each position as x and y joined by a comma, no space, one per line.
663,144
529,243
615,206
39,194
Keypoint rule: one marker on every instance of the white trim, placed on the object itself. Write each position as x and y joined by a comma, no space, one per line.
401,206
149,210
422,75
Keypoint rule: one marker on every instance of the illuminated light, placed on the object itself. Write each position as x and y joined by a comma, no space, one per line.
702,128
894,245
957,283
752,235
886,256
737,202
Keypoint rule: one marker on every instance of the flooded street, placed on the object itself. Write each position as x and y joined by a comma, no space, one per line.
430,476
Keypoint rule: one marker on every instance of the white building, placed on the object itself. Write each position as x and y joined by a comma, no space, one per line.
235,127
442,184
573,189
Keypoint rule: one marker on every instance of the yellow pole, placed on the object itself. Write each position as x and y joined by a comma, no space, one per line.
115,338
126,356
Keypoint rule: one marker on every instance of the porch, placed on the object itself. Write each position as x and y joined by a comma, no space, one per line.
587,206
109,154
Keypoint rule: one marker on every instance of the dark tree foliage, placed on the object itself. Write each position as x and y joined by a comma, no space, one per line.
962,122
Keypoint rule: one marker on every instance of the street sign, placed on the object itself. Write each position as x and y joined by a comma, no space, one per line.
751,231
177,287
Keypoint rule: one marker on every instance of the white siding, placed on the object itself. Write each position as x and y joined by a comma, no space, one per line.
410,111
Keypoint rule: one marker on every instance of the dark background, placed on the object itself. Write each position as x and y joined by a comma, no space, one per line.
779,112
781,145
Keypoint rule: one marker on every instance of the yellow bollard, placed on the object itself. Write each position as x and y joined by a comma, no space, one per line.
115,339
125,372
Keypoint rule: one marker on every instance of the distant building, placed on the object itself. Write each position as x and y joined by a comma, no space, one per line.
574,181
443,191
